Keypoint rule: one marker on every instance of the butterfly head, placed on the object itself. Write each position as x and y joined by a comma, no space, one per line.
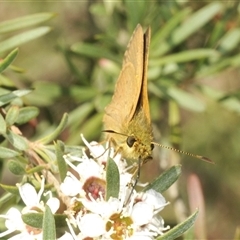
136,148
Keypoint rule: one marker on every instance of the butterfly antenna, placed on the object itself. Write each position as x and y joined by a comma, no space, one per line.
112,131
186,153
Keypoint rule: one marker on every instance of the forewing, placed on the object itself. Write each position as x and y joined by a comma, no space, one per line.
143,99
118,111
128,86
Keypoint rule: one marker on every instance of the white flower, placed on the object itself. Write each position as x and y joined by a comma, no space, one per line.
32,199
142,213
130,216
71,186
14,223
33,203
91,225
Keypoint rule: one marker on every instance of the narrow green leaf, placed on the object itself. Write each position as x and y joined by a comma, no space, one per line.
186,100
165,180
232,104
113,179
217,67
178,230
158,39
62,166
49,229
136,10
26,114
16,168
51,90
3,125
230,41
81,93
36,219
6,199
8,97
7,153
195,22
23,22
33,219
8,59
79,114
22,38
35,169
6,82
184,56
11,189
57,131
73,67
91,128
12,115
17,141
90,50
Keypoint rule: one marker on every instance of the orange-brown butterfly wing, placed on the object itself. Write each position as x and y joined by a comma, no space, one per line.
128,86
143,99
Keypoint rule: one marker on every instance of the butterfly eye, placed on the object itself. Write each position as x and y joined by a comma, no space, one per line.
130,141
152,146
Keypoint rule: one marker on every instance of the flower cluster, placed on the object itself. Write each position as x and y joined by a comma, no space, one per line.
33,203
131,215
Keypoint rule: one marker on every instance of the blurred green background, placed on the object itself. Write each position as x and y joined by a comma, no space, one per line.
194,82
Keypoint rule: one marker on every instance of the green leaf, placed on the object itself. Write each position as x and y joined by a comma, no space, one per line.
217,67
11,189
26,114
23,22
36,219
49,229
17,141
16,168
165,180
6,82
62,166
57,131
230,41
7,153
186,100
195,22
3,125
232,104
91,128
52,91
35,169
6,198
8,97
136,11
22,38
33,219
93,51
12,115
184,56
8,60
178,230
81,93
79,114
158,43
113,179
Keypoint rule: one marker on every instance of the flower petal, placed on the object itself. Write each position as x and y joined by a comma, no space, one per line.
29,195
92,225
